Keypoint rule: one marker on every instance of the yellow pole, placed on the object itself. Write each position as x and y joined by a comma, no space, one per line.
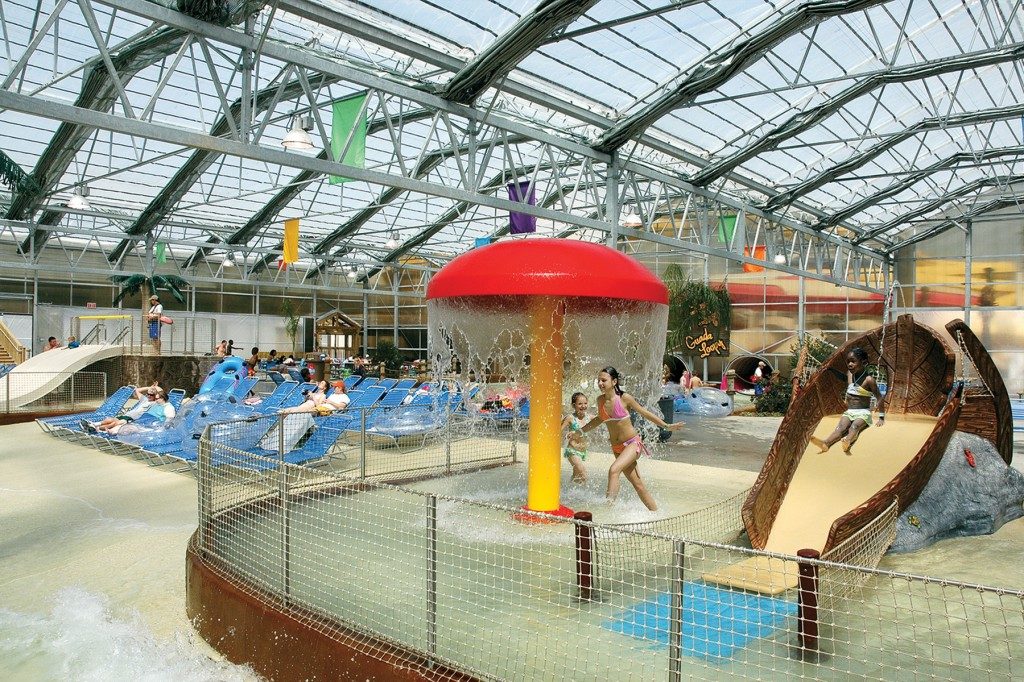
104,317
547,314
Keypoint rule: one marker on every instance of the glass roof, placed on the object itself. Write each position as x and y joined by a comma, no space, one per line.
885,119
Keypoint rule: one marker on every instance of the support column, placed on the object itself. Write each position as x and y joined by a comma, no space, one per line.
968,269
611,201
396,276
547,315
801,312
366,320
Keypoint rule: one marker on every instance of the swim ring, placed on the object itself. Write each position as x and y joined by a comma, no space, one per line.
704,402
230,366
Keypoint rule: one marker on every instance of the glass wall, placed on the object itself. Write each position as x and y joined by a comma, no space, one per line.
933,277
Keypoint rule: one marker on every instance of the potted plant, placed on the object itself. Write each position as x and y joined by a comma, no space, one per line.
388,356
291,322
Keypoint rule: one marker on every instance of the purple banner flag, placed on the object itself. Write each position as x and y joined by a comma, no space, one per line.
521,223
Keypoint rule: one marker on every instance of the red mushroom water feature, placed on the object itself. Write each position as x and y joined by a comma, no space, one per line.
558,311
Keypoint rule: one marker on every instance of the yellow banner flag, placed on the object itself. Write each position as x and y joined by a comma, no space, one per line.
290,252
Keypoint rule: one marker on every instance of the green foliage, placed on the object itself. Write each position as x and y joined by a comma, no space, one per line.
291,321
693,304
388,354
140,284
776,392
818,351
12,175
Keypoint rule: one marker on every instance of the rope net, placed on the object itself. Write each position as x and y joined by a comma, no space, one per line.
974,383
418,572
625,550
863,549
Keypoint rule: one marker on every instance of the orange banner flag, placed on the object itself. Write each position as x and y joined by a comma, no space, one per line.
290,252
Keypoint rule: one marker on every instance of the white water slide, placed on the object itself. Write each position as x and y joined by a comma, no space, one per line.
40,374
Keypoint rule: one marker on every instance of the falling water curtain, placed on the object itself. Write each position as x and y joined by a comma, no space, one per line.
348,134
521,223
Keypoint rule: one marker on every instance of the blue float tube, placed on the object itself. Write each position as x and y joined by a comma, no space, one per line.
230,366
704,402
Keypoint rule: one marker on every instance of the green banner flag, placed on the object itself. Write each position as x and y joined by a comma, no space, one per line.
726,227
348,133
161,252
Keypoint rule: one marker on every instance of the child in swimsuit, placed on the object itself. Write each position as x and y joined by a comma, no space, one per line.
860,386
576,443
613,407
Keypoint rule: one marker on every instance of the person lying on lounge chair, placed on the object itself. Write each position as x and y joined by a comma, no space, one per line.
156,405
318,400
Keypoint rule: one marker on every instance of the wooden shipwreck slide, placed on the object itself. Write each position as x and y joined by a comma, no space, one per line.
804,499
986,410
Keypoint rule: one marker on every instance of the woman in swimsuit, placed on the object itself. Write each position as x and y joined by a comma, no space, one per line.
613,408
860,386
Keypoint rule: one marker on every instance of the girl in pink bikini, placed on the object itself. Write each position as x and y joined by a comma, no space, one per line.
613,408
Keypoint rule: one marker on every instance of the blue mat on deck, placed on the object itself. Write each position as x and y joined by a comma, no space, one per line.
716,622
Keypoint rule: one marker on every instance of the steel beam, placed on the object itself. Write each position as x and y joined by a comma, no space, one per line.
723,64
804,120
504,53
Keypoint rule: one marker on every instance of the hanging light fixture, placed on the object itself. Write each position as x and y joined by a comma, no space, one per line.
392,240
229,260
79,200
298,138
352,272
780,259
633,220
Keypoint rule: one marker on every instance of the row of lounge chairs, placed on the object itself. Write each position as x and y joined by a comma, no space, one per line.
252,436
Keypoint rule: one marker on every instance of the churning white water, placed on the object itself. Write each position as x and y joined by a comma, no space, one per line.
81,637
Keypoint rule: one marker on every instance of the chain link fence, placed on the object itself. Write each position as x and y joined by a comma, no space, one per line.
40,392
462,584
188,335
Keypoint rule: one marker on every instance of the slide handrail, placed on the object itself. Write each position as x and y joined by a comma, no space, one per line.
10,344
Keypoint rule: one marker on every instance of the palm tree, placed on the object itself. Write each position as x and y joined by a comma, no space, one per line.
141,284
693,305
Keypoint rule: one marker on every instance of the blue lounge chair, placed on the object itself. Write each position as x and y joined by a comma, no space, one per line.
337,424
391,400
326,431
111,406
244,386
273,402
385,411
410,424
520,412
185,449
114,444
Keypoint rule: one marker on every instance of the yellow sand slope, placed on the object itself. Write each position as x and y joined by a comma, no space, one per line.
824,487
